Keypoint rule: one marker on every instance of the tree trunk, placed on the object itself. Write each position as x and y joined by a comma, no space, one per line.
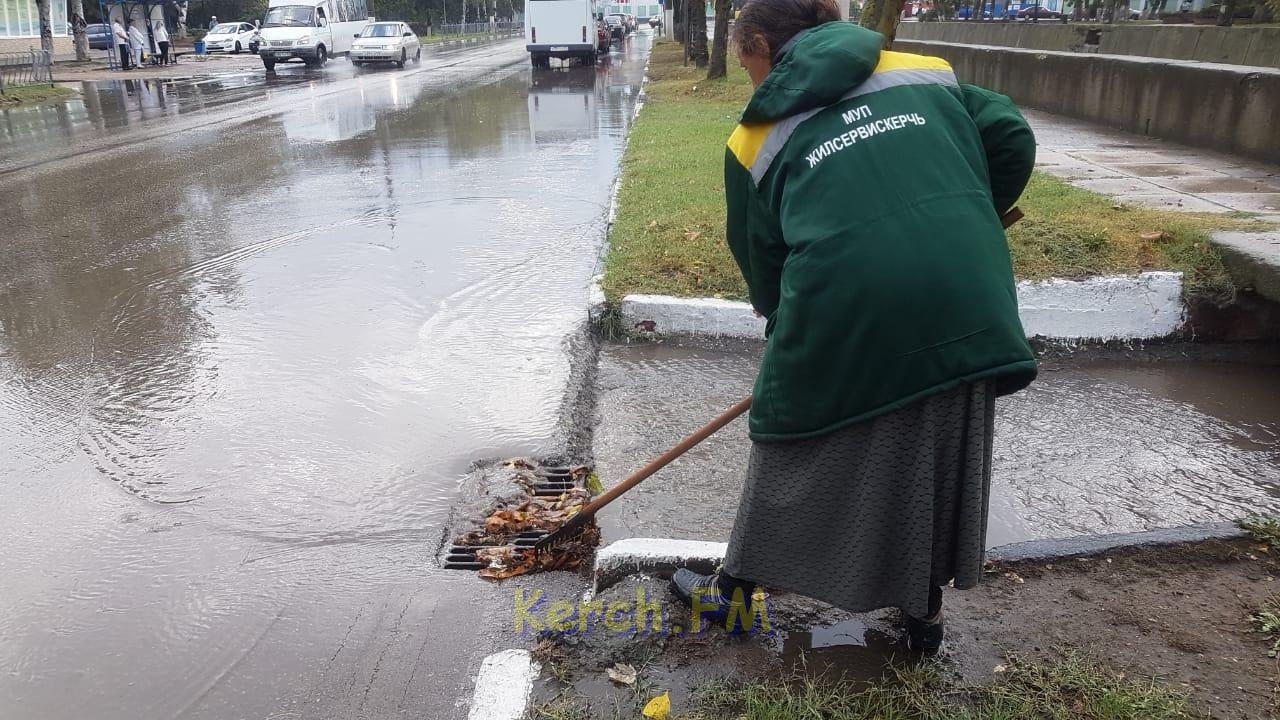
77,30
888,23
870,14
182,20
1227,15
720,44
677,21
46,25
698,32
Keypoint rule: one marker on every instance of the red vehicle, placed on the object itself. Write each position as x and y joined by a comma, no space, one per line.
602,37
1043,13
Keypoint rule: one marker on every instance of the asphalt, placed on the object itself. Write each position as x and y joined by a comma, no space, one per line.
254,332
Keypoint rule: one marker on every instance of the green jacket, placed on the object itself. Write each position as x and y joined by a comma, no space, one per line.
864,192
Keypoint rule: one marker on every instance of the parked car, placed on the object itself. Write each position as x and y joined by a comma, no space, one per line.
99,35
229,37
617,26
966,12
386,42
1042,13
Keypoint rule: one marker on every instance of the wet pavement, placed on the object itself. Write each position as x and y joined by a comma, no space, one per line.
1107,444
1150,172
252,334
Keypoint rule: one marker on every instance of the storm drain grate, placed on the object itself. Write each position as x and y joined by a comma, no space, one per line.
553,482
463,557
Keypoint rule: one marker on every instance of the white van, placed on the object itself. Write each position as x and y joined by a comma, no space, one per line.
560,29
310,30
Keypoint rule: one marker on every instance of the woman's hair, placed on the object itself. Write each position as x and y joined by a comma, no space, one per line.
776,21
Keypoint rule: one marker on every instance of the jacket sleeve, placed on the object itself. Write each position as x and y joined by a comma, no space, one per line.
752,238
1008,141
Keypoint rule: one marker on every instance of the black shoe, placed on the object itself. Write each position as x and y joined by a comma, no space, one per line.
924,636
721,598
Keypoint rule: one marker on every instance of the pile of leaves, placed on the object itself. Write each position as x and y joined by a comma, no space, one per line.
528,512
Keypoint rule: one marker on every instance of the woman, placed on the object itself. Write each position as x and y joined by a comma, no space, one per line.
136,42
864,192
161,34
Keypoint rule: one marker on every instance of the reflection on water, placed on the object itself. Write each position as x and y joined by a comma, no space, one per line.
241,375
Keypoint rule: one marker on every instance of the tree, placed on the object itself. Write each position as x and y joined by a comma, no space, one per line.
720,46
698,32
887,26
870,14
46,25
77,30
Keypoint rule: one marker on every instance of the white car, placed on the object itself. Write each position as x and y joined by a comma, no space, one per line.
386,42
230,37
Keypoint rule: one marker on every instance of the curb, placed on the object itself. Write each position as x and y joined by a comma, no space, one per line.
653,556
1041,550
661,556
1146,306
503,686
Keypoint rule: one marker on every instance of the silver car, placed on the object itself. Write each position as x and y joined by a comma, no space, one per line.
386,42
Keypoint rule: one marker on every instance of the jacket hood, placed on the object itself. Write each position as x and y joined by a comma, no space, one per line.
817,67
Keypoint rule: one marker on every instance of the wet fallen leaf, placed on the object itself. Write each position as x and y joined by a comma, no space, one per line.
653,223
692,235
593,484
623,674
1154,235
658,708
999,668
1014,577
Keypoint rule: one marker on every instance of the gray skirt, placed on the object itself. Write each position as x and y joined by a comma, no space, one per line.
874,514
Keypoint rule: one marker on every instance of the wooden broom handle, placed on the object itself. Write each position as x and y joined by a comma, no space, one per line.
663,460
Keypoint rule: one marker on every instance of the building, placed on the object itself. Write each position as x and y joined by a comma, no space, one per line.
20,26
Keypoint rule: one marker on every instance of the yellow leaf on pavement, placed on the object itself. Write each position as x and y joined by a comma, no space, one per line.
658,708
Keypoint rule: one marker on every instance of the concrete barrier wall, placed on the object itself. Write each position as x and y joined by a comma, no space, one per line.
1239,45
1220,107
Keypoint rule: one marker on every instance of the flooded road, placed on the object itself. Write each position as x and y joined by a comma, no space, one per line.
244,366
1093,447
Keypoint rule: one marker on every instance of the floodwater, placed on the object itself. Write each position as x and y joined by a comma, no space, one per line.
1093,447
243,367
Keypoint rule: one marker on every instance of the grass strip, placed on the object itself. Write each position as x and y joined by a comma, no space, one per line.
1070,688
33,94
669,235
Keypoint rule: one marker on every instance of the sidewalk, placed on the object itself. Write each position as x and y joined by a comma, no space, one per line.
1143,171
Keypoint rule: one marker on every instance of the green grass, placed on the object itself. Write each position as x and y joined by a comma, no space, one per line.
669,234
34,93
1263,528
1071,688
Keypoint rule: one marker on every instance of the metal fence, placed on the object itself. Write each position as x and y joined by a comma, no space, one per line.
33,67
477,28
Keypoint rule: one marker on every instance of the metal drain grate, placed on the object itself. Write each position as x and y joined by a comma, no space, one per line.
463,557
553,482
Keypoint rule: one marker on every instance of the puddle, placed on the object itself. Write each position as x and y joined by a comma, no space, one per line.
1102,447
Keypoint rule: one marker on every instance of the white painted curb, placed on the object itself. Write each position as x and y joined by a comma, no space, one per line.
1141,307
650,555
503,686
1107,308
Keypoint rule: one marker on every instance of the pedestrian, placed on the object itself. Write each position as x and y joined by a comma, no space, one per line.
122,43
213,21
161,34
136,42
864,191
